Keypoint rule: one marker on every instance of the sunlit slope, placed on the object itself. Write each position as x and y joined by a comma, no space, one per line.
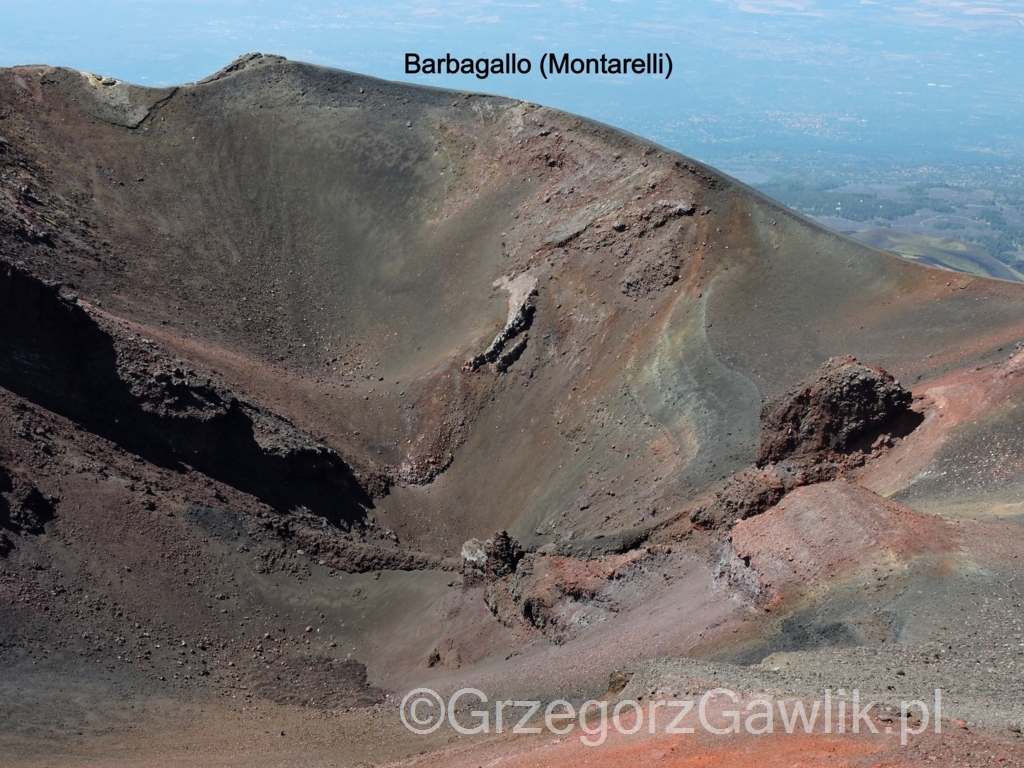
947,253
334,246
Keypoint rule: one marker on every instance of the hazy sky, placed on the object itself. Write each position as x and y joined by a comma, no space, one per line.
935,78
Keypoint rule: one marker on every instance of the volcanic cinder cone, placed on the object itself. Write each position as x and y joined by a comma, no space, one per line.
281,350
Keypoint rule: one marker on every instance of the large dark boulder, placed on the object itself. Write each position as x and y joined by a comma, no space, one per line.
835,412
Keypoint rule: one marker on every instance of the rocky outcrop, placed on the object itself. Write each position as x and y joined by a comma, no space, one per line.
511,340
845,404
503,555
828,424
66,357
653,270
561,596
492,559
556,595
23,509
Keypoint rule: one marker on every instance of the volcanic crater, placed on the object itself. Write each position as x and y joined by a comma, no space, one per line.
315,388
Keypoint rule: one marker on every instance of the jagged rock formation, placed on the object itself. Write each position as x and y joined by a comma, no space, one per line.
492,559
54,350
810,434
23,509
843,406
511,340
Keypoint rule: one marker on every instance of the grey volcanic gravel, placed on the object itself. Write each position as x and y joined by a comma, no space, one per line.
972,649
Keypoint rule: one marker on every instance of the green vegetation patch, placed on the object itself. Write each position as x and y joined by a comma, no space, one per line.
815,199
997,238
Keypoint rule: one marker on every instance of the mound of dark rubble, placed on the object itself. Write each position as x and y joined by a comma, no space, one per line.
491,559
827,424
831,413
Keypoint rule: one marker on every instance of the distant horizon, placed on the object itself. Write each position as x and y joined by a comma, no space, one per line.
759,87
800,99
